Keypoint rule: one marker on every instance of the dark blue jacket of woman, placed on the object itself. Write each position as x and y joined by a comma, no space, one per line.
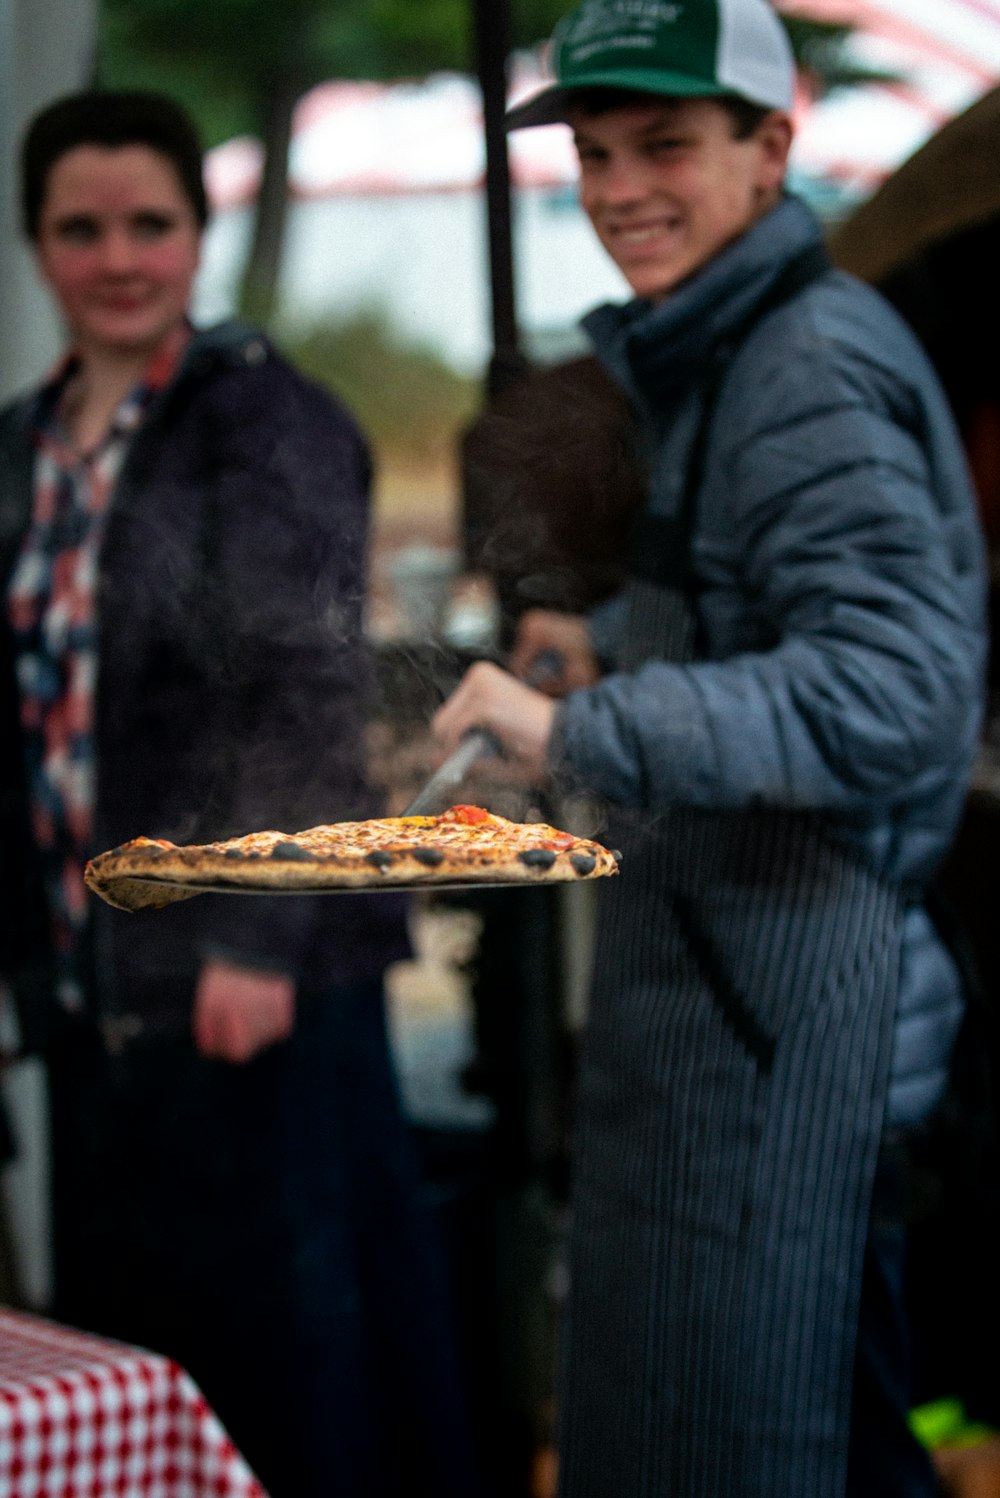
232,675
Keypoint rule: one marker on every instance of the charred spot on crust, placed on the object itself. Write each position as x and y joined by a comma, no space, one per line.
616,854
293,852
583,863
429,856
379,858
538,858
234,853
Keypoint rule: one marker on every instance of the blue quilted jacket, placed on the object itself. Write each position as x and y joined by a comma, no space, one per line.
841,591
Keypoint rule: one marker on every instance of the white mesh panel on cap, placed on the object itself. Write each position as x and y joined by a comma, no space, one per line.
755,57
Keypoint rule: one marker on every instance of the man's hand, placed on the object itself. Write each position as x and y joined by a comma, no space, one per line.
520,717
239,1012
565,638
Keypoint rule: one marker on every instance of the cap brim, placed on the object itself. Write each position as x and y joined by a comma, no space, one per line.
545,108
550,106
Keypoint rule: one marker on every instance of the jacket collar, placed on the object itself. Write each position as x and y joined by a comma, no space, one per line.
228,343
225,345
654,349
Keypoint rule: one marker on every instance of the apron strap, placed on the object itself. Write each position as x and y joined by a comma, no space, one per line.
660,545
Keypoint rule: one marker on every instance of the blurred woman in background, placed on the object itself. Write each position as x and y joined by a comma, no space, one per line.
183,525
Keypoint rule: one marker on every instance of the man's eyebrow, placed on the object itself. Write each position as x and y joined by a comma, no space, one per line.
665,121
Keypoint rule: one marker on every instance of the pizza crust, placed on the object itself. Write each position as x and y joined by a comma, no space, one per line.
464,846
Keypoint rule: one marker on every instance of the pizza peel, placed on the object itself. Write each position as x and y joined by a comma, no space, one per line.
153,890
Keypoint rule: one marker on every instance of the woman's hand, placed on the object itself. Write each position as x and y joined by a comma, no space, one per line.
239,1012
520,717
563,639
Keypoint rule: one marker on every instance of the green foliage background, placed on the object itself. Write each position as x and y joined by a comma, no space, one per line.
410,403
219,56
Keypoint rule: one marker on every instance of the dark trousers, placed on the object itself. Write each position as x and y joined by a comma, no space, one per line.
885,1460
265,1226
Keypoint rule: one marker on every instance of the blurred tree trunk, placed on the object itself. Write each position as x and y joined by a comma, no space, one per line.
258,293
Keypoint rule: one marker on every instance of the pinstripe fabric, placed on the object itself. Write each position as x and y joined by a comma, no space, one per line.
730,1107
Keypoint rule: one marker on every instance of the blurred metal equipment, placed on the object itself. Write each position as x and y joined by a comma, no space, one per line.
492,32
523,1062
947,186
929,240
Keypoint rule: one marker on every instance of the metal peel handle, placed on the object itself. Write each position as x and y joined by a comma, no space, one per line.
478,743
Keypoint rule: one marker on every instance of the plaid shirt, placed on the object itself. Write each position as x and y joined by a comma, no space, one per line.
52,604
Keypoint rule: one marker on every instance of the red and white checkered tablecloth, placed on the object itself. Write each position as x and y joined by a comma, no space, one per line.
81,1417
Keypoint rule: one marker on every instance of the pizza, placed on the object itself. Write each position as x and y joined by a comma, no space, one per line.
463,846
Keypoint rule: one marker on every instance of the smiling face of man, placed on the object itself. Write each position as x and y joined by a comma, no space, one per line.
667,183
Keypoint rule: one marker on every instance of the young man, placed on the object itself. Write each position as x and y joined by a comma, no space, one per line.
781,711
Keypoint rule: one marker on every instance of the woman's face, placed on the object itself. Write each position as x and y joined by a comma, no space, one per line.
118,245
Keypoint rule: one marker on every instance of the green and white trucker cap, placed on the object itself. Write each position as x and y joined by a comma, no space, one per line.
682,48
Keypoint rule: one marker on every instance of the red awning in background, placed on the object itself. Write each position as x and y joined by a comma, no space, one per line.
426,136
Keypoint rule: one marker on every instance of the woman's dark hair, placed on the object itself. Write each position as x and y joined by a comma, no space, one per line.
110,119
744,115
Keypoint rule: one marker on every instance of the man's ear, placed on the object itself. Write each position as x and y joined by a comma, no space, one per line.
774,138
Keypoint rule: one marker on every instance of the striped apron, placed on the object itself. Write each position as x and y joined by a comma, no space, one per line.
729,1112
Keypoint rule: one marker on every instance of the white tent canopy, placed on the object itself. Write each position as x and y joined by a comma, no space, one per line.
943,54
